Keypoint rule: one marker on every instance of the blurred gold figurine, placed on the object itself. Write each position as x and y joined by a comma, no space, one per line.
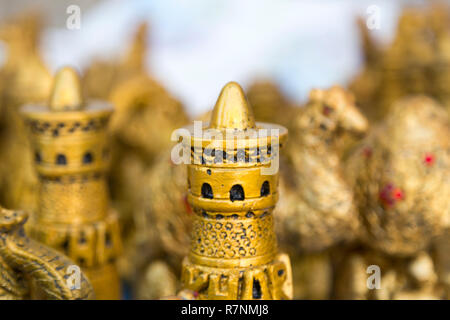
28,267
24,78
70,153
401,177
233,190
417,61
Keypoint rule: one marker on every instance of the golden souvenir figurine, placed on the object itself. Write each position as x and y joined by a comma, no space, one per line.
269,103
233,251
27,264
416,62
70,151
317,206
316,213
400,174
143,108
24,78
401,177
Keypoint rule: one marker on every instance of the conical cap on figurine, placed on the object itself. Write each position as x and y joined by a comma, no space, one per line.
68,132
66,99
66,92
233,130
232,110
233,113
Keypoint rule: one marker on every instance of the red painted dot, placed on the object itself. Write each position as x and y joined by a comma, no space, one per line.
326,110
398,194
367,152
195,294
389,195
385,196
186,205
429,159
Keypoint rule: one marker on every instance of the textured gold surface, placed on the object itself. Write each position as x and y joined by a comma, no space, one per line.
71,154
66,95
316,217
414,278
442,260
142,181
24,78
417,61
157,281
233,251
25,263
317,209
401,177
231,110
269,103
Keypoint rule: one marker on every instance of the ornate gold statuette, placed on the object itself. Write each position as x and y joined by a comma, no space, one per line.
70,152
25,263
232,192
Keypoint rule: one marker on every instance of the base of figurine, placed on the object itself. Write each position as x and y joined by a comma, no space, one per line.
271,281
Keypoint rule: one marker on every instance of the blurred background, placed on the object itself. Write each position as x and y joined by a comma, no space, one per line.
197,46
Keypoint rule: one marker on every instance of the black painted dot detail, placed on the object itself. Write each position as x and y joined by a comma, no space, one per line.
207,191
237,193
256,289
250,214
37,157
61,159
265,189
88,158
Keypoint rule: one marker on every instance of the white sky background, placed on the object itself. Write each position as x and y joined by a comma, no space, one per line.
199,45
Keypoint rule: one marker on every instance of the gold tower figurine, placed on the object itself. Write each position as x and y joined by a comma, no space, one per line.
70,152
233,252
27,264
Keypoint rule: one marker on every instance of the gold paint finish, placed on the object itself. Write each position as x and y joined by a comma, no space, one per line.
71,155
24,78
233,252
66,93
417,61
232,110
317,206
29,269
401,177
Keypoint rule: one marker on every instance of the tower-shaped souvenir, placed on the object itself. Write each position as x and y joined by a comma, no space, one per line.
69,142
233,180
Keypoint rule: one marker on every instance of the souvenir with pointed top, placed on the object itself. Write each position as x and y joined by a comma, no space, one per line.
232,189
70,149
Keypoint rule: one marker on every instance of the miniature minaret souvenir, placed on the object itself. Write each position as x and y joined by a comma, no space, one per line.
233,179
70,151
